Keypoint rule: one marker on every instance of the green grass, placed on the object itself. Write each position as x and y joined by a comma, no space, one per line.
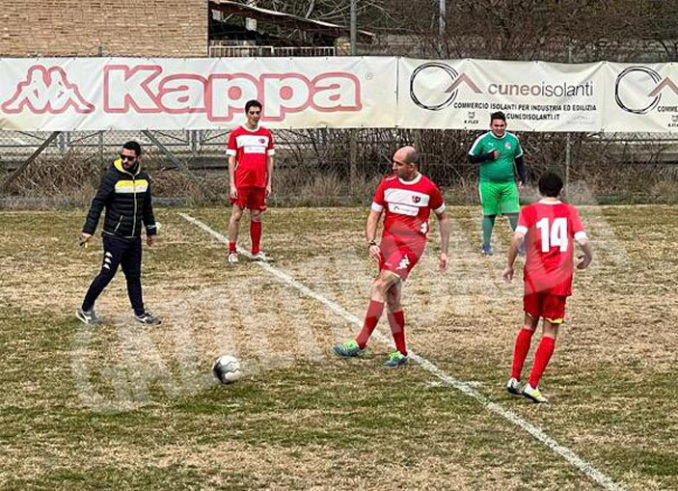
301,418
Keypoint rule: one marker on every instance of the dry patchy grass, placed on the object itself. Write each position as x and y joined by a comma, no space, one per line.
127,407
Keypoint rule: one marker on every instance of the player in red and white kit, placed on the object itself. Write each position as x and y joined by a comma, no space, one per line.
250,171
405,199
549,229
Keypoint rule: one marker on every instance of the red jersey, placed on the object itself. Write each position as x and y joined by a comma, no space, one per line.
251,149
550,229
407,206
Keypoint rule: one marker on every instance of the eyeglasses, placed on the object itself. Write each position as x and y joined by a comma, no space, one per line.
127,157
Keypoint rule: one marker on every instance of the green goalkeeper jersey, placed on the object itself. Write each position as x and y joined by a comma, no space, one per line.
503,168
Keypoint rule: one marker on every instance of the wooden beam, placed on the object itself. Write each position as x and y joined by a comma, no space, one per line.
179,163
34,155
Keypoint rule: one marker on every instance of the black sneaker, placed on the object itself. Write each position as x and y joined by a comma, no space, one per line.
147,318
88,317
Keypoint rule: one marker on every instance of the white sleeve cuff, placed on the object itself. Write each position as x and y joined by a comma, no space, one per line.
230,152
521,229
440,209
580,235
271,151
376,207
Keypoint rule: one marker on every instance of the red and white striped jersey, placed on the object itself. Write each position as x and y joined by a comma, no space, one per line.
407,206
251,149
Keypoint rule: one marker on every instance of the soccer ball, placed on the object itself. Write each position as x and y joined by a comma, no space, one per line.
226,369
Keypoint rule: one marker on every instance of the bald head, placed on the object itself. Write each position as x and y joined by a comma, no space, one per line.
405,163
406,155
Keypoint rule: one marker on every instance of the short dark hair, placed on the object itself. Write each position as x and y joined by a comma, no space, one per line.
550,184
132,145
497,115
253,103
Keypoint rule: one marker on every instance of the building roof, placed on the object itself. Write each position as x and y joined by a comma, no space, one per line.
287,20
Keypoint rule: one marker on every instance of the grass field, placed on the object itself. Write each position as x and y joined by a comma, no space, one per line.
124,406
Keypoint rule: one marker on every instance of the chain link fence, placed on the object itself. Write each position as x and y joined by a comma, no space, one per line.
328,166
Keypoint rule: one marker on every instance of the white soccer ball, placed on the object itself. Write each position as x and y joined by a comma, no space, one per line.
226,369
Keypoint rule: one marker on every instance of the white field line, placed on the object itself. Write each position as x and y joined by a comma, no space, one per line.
463,387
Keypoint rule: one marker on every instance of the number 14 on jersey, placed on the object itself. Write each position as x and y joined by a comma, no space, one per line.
553,234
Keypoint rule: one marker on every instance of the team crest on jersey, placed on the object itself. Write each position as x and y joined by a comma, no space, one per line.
404,263
416,199
507,145
262,140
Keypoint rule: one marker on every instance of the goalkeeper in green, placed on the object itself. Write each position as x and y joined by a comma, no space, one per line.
499,154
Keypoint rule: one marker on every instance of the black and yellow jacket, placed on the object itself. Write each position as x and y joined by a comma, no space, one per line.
126,195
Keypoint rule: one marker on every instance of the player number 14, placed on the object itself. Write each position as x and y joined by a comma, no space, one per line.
554,235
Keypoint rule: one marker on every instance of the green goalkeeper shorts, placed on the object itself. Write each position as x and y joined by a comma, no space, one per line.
499,198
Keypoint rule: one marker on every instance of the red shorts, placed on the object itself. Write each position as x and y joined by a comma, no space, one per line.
251,198
398,258
547,305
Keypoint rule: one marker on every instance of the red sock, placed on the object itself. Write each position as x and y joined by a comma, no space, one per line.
397,322
374,310
255,235
231,247
520,349
541,359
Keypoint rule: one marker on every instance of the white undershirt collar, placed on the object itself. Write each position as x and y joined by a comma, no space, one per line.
413,181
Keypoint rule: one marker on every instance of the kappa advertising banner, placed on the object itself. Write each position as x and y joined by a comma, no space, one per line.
343,92
204,93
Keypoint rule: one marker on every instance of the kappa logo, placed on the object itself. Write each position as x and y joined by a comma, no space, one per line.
222,96
639,89
442,77
141,89
47,90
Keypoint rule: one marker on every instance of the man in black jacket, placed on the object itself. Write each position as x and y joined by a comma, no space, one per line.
125,192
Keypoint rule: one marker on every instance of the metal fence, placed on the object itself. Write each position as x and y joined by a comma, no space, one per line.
224,51
329,166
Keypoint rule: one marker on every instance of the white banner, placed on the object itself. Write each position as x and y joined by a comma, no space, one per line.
69,94
202,93
534,96
642,98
